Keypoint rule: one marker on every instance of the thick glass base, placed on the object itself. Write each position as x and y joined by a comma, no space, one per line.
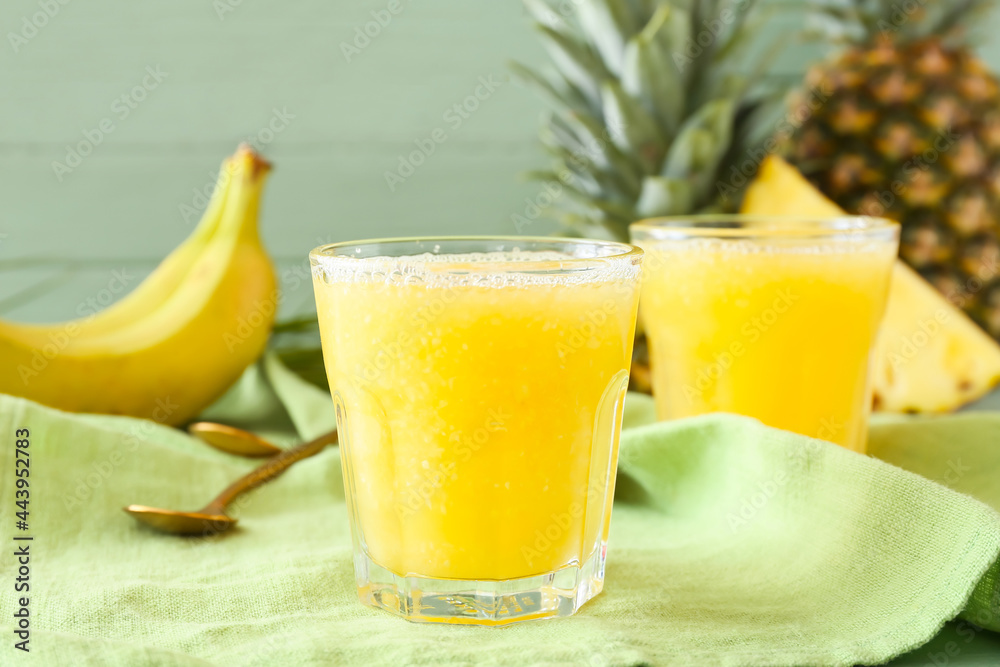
426,600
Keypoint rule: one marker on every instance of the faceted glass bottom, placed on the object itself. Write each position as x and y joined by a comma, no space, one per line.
427,600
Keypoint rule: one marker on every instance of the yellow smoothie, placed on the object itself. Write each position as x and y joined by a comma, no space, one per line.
777,330
479,414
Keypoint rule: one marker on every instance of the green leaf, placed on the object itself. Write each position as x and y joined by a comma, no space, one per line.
676,30
650,77
569,160
583,177
664,196
700,146
598,146
300,324
702,12
543,14
577,207
691,149
632,128
589,176
731,86
760,68
720,121
561,99
591,181
578,65
742,10
958,14
620,209
556,132
744,32
607,25
673,37
538,175
640,10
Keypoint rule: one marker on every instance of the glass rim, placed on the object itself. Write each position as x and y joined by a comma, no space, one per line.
742,226
609,251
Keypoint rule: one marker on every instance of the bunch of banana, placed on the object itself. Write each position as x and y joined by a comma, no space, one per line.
180,339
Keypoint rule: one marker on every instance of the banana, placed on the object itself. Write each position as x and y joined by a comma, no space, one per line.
167,356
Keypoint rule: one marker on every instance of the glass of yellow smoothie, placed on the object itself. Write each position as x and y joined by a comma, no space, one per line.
478,385
774,318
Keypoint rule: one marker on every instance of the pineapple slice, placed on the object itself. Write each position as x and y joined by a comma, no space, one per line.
931,357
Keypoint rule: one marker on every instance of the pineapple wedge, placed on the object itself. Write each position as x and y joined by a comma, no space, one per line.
931,357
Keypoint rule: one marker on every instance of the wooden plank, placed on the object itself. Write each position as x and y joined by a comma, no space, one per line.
125,207
224,78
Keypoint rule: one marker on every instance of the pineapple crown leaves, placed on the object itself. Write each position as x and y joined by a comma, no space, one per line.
866,21
649,99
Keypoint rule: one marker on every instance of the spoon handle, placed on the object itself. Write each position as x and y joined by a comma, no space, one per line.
271,469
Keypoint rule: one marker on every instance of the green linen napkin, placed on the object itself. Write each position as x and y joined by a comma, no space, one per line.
962,453
731,544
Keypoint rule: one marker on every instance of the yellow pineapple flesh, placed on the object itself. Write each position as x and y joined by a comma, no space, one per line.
931,357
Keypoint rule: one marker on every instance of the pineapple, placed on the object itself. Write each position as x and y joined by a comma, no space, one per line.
931,357
651,105
905,123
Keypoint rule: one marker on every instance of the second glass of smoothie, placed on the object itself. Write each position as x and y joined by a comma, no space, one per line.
769,317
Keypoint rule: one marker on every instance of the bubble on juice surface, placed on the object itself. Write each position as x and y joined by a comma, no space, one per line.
845,244
510,269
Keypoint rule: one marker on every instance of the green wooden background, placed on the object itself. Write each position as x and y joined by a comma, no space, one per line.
227,66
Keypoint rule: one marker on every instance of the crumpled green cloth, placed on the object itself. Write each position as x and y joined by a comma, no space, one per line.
731,544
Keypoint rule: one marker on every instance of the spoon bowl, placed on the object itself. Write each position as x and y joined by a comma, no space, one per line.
233,440
181,523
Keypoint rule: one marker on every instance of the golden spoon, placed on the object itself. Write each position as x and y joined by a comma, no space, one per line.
233,440
212,518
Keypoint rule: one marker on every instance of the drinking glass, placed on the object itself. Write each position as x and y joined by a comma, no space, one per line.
770,317
478,386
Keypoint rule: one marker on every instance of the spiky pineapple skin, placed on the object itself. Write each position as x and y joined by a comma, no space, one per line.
911,131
